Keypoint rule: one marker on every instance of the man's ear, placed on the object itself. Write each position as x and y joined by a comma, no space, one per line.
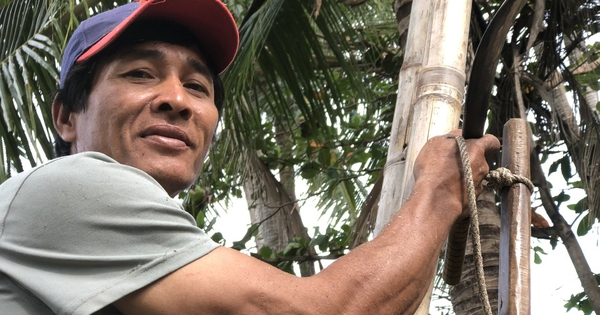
64,121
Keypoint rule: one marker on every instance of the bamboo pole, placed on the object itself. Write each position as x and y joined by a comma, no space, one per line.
514,281
416,49
433,79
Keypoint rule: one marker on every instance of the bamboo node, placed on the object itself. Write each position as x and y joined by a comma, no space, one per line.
443,75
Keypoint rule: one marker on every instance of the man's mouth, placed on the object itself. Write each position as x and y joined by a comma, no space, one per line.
167,135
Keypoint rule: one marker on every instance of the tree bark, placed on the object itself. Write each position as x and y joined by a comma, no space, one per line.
465,295
266,208
286,177
273,210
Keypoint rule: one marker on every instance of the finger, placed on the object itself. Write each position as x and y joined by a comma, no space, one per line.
490,143
455,132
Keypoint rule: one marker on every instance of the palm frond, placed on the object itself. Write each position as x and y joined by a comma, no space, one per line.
28,63
310,76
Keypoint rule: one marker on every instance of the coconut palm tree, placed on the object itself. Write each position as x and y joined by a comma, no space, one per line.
311,99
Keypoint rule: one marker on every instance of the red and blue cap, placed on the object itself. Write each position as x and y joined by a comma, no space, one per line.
209,20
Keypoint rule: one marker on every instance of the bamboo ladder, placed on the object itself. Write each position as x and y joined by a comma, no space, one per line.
431,91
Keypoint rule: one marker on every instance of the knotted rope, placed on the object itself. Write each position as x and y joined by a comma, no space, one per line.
497,179
503,177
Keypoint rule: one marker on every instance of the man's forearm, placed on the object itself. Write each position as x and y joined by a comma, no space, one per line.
401,260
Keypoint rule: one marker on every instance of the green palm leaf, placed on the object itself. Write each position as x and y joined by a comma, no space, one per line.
306,75
29,68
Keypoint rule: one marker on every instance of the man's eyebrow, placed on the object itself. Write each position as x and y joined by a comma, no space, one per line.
138,53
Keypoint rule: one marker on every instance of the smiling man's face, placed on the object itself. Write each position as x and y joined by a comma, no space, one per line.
152,107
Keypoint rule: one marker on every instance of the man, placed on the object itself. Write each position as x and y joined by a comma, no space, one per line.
97,231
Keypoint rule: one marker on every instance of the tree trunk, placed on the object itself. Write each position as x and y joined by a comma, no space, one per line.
286,177
274,211
266,208
591,98
587,159
465,295
564,111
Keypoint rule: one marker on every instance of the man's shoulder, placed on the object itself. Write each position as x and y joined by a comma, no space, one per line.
84,166
85,163
64,165
81,173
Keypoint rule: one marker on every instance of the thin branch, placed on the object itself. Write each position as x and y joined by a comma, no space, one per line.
79,11
299,259
562,228
586,67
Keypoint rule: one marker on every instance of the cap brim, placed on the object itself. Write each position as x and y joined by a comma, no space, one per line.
209,20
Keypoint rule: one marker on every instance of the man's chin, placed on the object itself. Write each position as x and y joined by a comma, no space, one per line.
173,182
173,173
173,187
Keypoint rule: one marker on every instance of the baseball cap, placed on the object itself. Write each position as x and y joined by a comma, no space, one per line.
209,20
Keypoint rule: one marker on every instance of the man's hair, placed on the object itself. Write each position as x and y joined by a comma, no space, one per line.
78,83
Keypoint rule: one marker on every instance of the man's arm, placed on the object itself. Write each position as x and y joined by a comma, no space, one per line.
388,275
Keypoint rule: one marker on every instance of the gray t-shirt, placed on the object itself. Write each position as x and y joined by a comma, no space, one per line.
80,232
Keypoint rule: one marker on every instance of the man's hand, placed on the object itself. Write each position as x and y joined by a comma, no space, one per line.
439,165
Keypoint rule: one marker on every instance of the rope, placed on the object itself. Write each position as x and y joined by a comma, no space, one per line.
503,177
468,174
496,179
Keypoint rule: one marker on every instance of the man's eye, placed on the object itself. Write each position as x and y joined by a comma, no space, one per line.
196,87
138,74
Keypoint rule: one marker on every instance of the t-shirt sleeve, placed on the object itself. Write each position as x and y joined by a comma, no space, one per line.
84,231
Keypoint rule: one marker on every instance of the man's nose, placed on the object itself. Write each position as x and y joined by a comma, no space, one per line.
172,99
